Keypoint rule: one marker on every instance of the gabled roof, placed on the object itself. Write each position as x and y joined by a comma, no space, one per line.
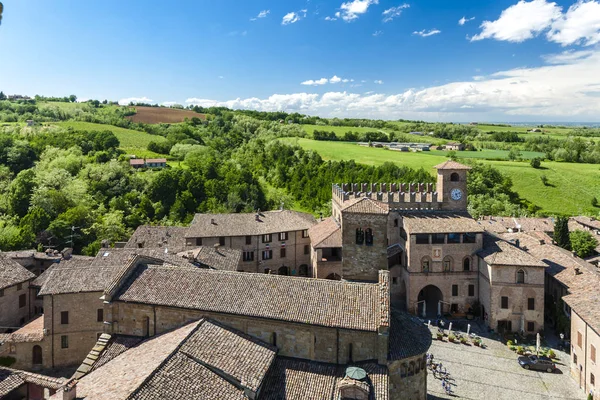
158,237
73,262
452,165
587,221
31,332
303,300
497,251
440,222
221,258
248,224
325,234
12,273
365,205
201,360
11,379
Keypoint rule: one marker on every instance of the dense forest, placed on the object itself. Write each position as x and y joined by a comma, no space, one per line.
63,187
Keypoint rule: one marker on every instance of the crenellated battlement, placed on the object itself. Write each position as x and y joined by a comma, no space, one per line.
402,196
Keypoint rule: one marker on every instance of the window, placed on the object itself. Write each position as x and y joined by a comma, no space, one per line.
305,233
100,315
454,290
306,249
592,380
453,238
22,300
350,355
267,254
283,236
266,238
437,238
579,339
248,239
64,342
467,264
248,256
531,303
447,264
422,239
19,286
454,177
520,276
394,280
593,353
469,237
530,326
369,237
274,338
396,222
425,265
64,317
1,292
360,236
282,253
471,290
504,302
453,308
222,241
574,358
198,241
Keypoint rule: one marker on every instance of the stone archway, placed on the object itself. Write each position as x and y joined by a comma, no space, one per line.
429,297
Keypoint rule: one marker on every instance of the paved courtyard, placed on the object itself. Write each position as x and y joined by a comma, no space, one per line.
493,373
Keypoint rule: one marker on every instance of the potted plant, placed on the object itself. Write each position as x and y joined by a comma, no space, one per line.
440,336
463,340
451,338
520,350
552,354
510,343
477,342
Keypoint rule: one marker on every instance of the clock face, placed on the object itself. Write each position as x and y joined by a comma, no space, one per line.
456,194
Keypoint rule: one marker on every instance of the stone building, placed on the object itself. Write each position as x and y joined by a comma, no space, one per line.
270,241
15,296
18,385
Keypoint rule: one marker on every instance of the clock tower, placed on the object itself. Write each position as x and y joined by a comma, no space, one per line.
452,185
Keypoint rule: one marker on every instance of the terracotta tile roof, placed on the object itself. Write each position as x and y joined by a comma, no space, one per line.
31,332
303,300
365,205
41,380
247,224
11,379
504,224
325,234
137,161
156,160
158,237
587,221
74,262
221,258
440,222
497,251
294,379
201,360
452,165
107,347
585,300
409,337
12,273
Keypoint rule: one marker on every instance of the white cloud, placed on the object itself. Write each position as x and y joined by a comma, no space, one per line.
169,103
378,81
425,33
290,18
394,12
135,100
377,33
328,18
317,82
567,91
520,22
353,9
567,57
579,25
464,20
335,79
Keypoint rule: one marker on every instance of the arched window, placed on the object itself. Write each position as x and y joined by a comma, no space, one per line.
369,237
360,236
467,264
454,177
425,264
403,370
36,355
520,276
448,264
411,368
417,367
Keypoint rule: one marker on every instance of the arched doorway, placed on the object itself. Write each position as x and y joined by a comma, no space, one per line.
283,270
429,297
303,270
334,277
36,355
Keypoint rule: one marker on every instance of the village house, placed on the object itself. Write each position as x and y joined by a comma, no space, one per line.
18,385
15,295
456,146
148,163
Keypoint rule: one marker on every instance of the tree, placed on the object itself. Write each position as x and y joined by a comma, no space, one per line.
514,154
536,162
561,232
72,98
544,180
2,96
594,202
583,243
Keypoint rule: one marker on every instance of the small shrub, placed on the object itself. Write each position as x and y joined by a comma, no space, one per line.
552,354
7,361
509,343
440,336
536,162
512,348
594,202
520,350
463,340
451,337
544,180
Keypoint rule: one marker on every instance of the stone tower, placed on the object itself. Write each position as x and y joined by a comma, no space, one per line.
452,185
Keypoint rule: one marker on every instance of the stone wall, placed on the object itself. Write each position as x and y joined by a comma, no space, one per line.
292,339
408,379
583,369
360,261
12,315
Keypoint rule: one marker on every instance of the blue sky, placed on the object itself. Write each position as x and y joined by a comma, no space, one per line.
509,61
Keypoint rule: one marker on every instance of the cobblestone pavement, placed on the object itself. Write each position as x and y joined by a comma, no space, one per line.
494,374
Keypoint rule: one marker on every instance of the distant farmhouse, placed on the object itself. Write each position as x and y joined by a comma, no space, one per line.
398,146
148,162
454,146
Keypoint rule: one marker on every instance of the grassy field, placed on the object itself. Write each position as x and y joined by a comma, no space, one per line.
340,130
570,190
129,138
489,154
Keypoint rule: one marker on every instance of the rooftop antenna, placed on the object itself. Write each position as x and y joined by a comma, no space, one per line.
73,235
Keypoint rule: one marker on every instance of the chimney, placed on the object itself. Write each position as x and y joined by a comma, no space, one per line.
518,243
577,271
69,391
321,216
212,221
542,241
